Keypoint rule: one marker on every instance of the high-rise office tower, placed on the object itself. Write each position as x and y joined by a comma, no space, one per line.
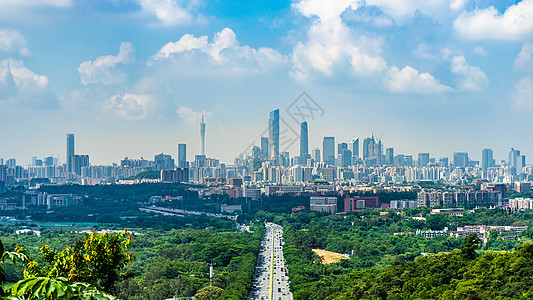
443,162
163,162
316,154
389,156
264,148
273,133
487,159
340,147
368,148
182,156
202,136
423,159
354,146
513,157
70,152
304,142
378,150
460,159
78,162
328,150
345,158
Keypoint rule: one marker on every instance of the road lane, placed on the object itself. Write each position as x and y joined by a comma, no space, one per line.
271,281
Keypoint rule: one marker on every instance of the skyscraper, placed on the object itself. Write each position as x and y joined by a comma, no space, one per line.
304,142
182,156
513,157
487,159
460,159
70,152
316,154
354,146
202,136
368,148
273,133
345,158
328,150
340,147
423,159
264,148
389,156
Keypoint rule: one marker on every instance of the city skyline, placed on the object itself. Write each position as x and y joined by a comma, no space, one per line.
371,148
429,77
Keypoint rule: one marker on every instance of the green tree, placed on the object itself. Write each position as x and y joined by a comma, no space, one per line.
83,271
436,222
469,246
97,260
209,293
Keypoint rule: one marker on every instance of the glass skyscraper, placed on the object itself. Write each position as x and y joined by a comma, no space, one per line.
304,141
328,150
182,156
273,133
70,152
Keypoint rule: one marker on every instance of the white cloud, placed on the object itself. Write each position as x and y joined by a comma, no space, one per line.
13,71
223,52
168,12
481,51
129,106
22,86
192,117
101,70
523,94
325,10
472,78
409,80
457,5
13,41
331,44
524,57
514,24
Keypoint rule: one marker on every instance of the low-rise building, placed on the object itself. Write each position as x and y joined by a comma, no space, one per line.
323,204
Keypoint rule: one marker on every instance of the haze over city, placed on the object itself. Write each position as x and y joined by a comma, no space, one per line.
128,80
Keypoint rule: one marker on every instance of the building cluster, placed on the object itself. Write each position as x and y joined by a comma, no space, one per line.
521,204
329,204
455,198
267,163
35,198
483,231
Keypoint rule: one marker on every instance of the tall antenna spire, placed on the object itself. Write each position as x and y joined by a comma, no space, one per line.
202,136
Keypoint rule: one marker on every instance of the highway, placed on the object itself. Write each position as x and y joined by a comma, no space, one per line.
271,280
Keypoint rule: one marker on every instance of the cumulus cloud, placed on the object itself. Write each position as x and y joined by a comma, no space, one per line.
523,94
129,106
13,41
457,5
330,42
524,57
22,86
472,78
489,24
224,51
167,12
102,69
409,80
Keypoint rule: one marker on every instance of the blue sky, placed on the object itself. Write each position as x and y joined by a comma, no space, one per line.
132,77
